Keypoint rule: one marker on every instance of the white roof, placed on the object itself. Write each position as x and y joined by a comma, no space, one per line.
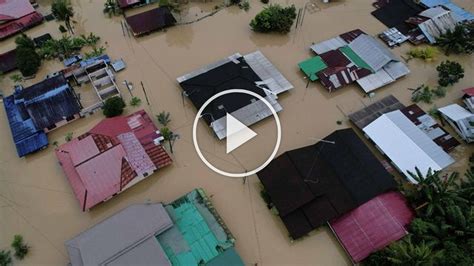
434,12
328,45
406,145
455,112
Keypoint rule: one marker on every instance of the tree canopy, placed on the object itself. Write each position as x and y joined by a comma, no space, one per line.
113,106
27,60
63,11
449,72
458,41
274,18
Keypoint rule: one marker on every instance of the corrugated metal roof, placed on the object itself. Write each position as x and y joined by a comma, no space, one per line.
374,225
439,23
128,235
150,20
374,53
460,13
356,59
311,67
14,9
328,45
406,145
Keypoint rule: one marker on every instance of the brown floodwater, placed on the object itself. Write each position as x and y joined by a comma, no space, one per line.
37,201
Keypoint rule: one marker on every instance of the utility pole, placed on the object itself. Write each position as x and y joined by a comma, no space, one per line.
144,92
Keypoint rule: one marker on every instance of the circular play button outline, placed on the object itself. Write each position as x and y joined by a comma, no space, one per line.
217,170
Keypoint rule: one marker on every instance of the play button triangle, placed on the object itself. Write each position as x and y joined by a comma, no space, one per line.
237,133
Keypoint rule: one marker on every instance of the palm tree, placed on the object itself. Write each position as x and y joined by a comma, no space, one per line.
169,136
406,253
63,11
111,8
459,40
164,118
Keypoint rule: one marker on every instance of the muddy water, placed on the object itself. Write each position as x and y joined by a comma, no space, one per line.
36,200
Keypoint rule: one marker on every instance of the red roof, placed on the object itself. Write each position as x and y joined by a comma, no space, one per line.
469,91
12,27
105,161
373,225
15,9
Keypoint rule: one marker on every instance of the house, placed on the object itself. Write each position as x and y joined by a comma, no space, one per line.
149,21
353,57
312,185
406,145
414,113
460,119
438,22
38,109
8,61
468,98
373,225
125,4
394,14
187,231
17,16
460,14
113,156
252,72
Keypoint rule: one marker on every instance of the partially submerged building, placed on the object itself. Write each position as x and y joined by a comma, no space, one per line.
406,145
438,21
113,156
17,16
38,109
460,14
353,57
8,61
149,21
125,4
374,225
185,232
460,119
468,98
414,113
312,185
252,72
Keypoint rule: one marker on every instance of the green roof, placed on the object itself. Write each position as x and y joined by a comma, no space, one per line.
346,50
196,237
312,66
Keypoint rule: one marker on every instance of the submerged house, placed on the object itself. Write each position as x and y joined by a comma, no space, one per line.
38,109
8,61
113,156
460,14
149,21
17,16
468,98
373,225
186,232
353,57
414,113
406,145
437,21
252,72
460,119
312,185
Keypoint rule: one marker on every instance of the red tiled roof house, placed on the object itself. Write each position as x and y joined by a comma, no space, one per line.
113,156
16,16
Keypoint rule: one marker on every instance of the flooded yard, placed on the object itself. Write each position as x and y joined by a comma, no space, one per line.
36,200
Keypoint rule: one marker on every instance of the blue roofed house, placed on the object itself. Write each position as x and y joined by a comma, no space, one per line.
459,13
38,109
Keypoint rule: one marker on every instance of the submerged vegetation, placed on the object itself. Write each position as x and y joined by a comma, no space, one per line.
67,46
20,247
113,106
443,232
27,59
63,11
112,8
274,18
422,94
427,54
449,73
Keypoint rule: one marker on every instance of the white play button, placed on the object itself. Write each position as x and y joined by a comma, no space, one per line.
237,133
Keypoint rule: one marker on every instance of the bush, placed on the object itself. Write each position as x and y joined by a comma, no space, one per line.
113,106
135,101
449,72
27,60
427,54
5,258
439,92
164,118
20,247
274,18
62,29
245,5
265,1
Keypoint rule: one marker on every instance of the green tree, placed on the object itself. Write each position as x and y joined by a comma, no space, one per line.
422,94
135,101
164,118
427,54
169,136
449,72
68,136
63,11
16,78
407,253
27,60
458,41
5,258
274,18
112,8
113,106
20,247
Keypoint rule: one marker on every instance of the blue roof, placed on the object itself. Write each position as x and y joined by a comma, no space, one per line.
26,136
92,60
459,13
